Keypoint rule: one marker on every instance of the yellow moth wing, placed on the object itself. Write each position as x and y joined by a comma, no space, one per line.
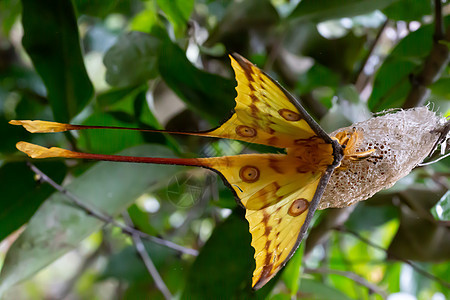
263,113
277,191
275,231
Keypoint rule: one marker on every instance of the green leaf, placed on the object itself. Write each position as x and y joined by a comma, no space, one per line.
338,55
441,211
58,227
317,76
108,99
9,13
239,18
108,141
141,220
132,60
392,81
441,88
391,84
101,8
319,291
349,93
126,107
369,214
420,239
178,13
147,120
441,271
147,19
280,297
321,10
227,259
415,45
10,136
408,10
225,264
209,95
22,194
51,40
292,272
391,278
134,270
140,283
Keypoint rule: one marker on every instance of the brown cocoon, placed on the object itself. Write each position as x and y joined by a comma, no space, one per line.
401,141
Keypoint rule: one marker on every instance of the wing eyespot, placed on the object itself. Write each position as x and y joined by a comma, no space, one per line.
298,207
289,115
249,174
245,131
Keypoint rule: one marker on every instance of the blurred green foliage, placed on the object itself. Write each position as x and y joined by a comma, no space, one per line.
155,64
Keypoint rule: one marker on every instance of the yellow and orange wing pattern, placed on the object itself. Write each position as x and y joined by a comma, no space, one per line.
264,113
278,192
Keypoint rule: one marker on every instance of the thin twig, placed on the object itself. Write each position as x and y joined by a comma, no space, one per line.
438,21
107,219
440,180
355,277
140,248
274,48
406,261
434,64
360,73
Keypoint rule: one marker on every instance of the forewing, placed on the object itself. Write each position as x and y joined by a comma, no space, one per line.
265,113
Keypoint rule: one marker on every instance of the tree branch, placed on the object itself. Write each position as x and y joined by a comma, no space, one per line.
435,63
140,248
406,261
107,219
360,81
350,275
438,21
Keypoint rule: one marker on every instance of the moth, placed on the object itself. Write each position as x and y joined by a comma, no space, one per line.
280,192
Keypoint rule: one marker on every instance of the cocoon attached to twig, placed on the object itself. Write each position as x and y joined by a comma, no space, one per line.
401,140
